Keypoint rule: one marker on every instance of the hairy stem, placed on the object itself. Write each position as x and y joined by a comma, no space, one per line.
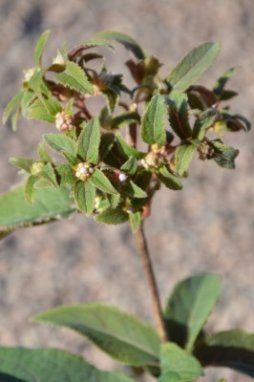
143,250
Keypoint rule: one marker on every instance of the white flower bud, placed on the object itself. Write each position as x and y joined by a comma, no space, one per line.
63,121
122,177
83,171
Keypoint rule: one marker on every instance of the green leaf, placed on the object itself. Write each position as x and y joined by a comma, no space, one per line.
204,121
66,173
113,216
178,115
126,149
153,121
127,41
190,305
134,191
43,110
75,78
12,105
125,118
224,155
51,365
101,182
38,51
61,143
222,81
84,195
8,378
170,180
193,65
232,348
122,336
130,166
177,365
49,174
22,163
135,219
183,157
50,204
89,141
42,152
29,187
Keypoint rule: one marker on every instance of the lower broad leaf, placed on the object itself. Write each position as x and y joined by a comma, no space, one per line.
49,204
170,180
49,365
232,348
122,336
177,365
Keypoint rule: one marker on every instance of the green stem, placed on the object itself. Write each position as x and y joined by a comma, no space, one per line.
143,250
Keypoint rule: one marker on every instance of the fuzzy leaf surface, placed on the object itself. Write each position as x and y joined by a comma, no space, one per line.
49,204
177,365
193,65
89,141
122,336
75,78
39,48
153,121
190,305
50,365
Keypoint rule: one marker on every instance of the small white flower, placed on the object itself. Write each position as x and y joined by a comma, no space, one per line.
122,177
83,171
63,121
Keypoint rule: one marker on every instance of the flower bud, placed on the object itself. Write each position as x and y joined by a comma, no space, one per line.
36,168
122,177
63,121
83,171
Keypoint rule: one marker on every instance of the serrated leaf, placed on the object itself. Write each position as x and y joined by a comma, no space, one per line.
127,41
193,65
178,114
43,110
75,78
89,141
42,152
12,105
113,216
50,365
177,365
189,306
49,204
170,180
224,155
101,182
38,51
61,143
122,336
84,195
232,348
135,219
183,157
153,122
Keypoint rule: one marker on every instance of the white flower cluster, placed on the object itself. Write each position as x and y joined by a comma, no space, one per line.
63,121
83,171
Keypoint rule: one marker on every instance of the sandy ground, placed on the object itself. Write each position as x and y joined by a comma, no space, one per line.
206,227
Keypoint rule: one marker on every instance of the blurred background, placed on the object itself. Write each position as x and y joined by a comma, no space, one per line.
208,226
